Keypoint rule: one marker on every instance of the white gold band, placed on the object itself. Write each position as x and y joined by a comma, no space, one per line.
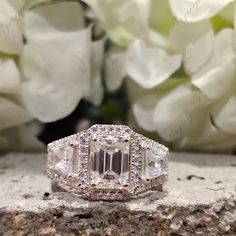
108,162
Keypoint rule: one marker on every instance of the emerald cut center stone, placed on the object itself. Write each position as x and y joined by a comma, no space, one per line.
109,161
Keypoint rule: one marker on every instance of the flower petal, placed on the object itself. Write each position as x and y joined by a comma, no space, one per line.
123,20
174,112
52,69
144,110
33,3
228,12
22,5
217,81
53,20
196,10
217,77
197,54
55,60
9,77
149,65
161,18
96,89
12,114
184,33
208,139
11,40
224,115
18,5
115,69
235,17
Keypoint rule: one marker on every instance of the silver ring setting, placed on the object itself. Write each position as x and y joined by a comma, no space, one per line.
107,162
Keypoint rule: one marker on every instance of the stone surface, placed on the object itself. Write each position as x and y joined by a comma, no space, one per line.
199,199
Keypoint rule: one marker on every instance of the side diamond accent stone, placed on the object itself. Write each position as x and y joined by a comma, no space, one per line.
63,159
151,164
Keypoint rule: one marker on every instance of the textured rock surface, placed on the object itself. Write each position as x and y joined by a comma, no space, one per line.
199,199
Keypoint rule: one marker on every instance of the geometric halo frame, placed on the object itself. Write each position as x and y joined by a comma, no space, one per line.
75,152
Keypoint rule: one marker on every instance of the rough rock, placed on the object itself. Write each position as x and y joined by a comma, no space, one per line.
199,199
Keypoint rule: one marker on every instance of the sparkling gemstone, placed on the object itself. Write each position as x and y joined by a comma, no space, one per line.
152,164
63,160
109,161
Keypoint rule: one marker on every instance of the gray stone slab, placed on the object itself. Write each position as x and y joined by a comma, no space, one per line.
199,199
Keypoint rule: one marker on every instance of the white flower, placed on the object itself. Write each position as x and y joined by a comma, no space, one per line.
217,75
144,61
217,80
197,10
180,104
12,111
148,63
202,116
57,66
11,41
56,61
182,117
123,20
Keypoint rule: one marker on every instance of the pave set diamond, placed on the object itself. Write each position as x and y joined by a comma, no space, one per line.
107,162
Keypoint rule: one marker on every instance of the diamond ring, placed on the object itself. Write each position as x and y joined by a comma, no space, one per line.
107,162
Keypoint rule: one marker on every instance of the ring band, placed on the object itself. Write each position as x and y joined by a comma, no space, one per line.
107,162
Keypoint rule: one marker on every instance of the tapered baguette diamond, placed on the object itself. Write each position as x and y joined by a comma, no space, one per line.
152,164
109,161
63,160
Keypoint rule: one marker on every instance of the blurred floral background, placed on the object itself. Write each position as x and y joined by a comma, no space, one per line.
165,68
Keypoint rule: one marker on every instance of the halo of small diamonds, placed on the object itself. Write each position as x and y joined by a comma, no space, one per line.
107,162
